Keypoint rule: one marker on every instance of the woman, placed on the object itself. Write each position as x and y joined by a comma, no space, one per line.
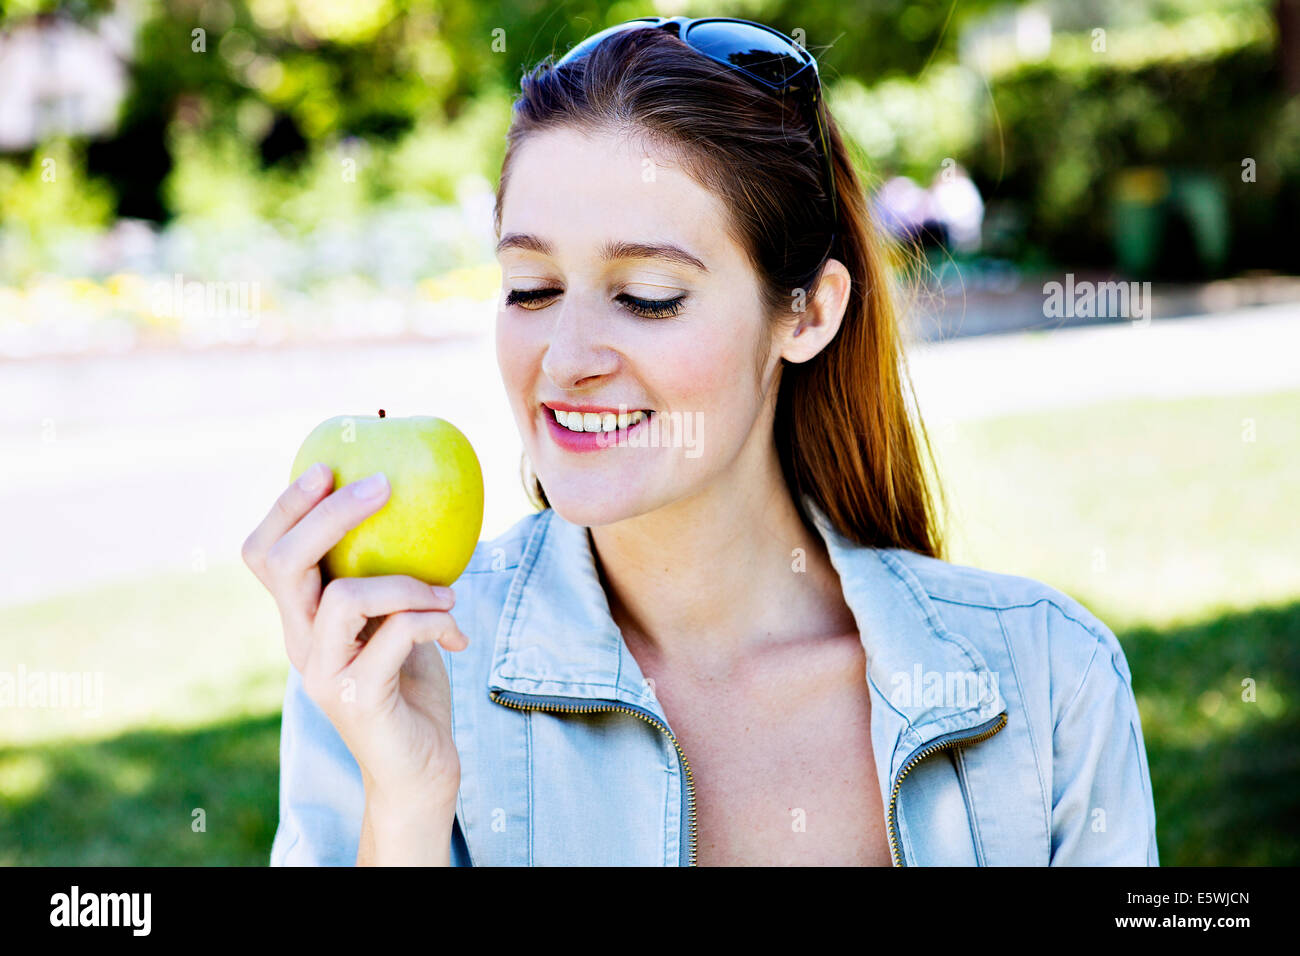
728,636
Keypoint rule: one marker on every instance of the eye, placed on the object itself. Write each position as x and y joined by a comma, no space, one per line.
526,297
647,308
653,308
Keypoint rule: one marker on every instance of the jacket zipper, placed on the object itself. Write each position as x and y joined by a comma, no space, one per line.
982,732
518,701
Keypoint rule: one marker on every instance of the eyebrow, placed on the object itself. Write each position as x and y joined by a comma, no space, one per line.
609,252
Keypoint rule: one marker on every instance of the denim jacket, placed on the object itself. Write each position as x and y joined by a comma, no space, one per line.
1003,723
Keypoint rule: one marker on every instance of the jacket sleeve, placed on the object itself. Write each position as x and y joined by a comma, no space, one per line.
322,798
321,794
1102,808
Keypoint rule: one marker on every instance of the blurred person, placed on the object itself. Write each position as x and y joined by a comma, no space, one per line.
729,635
955,201
901,206
948,215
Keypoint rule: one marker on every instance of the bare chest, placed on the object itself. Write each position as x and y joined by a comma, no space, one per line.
781,761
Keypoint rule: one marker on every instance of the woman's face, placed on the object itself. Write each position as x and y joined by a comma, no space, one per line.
619,328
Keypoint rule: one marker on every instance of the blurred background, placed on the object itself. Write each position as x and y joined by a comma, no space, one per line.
223,221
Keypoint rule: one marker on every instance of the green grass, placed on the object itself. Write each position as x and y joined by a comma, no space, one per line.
192,672
173,651
1198,573
132,800
1225,771
1149,512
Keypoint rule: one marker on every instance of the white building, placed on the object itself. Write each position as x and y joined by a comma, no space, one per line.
60,77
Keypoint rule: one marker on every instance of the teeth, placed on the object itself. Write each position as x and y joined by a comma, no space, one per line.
595,421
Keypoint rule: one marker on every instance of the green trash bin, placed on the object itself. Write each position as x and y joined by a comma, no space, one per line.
1150,209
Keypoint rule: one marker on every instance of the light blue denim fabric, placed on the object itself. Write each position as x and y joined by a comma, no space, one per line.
1003,722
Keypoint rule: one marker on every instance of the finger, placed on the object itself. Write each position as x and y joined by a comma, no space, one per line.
302,546
303,648
347,603
372,625
294,502
381,660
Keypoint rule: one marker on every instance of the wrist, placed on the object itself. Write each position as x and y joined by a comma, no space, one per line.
406,831
409,798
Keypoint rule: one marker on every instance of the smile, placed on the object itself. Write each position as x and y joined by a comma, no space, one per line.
582,431
596,421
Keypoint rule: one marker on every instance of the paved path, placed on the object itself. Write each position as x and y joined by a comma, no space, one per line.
117,466
1249,350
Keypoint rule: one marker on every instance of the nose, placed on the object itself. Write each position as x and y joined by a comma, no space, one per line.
577,351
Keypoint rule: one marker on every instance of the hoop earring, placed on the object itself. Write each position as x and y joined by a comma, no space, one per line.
532,484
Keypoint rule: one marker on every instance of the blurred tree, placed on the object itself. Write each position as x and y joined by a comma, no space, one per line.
284,142
419,90
1287,13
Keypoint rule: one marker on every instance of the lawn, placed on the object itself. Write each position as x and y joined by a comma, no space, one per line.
1175,522
1178,524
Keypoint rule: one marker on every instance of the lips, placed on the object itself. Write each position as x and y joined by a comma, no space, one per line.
595,418
610,427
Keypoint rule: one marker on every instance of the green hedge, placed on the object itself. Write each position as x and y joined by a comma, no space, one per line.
1064,129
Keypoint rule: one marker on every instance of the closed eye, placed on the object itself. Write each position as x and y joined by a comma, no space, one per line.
647,308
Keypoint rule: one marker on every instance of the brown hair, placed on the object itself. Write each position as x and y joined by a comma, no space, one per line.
844,432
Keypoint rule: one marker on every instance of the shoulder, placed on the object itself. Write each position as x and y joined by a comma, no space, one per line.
1028,623
959,584
1073,717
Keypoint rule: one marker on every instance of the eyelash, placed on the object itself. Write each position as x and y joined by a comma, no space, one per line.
646,308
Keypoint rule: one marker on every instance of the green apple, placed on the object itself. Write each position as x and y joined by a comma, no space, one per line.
430,524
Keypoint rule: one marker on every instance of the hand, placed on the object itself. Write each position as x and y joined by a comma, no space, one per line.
363,645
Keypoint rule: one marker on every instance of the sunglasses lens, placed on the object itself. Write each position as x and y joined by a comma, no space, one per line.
764,54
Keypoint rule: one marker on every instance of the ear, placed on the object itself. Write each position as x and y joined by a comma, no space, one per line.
820,319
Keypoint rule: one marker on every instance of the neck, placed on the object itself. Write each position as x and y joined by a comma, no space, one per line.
715,578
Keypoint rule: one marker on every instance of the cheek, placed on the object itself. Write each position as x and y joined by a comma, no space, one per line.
518,356
710,372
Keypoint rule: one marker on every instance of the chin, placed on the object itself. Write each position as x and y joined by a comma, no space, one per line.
593,503
591,512
587,515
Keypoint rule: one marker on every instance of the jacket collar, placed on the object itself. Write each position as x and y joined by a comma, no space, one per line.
557,638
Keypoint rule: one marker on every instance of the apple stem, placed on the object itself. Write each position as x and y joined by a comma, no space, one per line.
381,413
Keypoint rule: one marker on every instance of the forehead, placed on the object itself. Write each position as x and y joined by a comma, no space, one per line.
578,189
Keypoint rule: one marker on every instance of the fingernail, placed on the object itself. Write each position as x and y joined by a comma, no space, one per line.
313,479
371,487
442,593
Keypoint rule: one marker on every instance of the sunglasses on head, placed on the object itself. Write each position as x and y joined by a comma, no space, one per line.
766,58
